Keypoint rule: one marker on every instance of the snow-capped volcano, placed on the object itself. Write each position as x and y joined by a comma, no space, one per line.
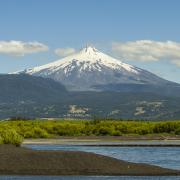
88,59
90,67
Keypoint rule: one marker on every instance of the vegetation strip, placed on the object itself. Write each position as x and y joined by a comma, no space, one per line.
13,132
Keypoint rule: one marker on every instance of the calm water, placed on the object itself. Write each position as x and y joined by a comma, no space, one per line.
168,157
88,178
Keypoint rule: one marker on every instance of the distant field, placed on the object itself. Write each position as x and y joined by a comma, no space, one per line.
13,132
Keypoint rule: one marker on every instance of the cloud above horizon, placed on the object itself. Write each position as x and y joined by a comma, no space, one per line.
62,52
148,51
19,48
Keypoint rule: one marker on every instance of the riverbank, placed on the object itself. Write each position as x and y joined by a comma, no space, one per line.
24,161
165,141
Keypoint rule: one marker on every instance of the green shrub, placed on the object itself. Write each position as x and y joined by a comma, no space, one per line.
122,128
142,130
165,127
10,136
36,133
104,130
116,133
1,140
177,132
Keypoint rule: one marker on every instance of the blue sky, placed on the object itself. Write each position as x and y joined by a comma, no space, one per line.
103,23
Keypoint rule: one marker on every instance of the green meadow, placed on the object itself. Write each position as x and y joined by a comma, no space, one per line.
13,132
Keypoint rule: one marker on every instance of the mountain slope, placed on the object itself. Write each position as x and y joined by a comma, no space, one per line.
25,88
31,96
90,68
169,89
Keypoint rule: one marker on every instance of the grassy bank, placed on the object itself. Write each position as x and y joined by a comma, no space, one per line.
13,132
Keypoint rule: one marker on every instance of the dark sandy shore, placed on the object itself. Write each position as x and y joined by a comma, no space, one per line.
23,161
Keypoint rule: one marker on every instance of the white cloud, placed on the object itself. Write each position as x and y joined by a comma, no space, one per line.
64,51
19,48
176,62
147,50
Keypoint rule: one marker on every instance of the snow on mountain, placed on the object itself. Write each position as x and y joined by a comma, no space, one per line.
88,59
90,67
